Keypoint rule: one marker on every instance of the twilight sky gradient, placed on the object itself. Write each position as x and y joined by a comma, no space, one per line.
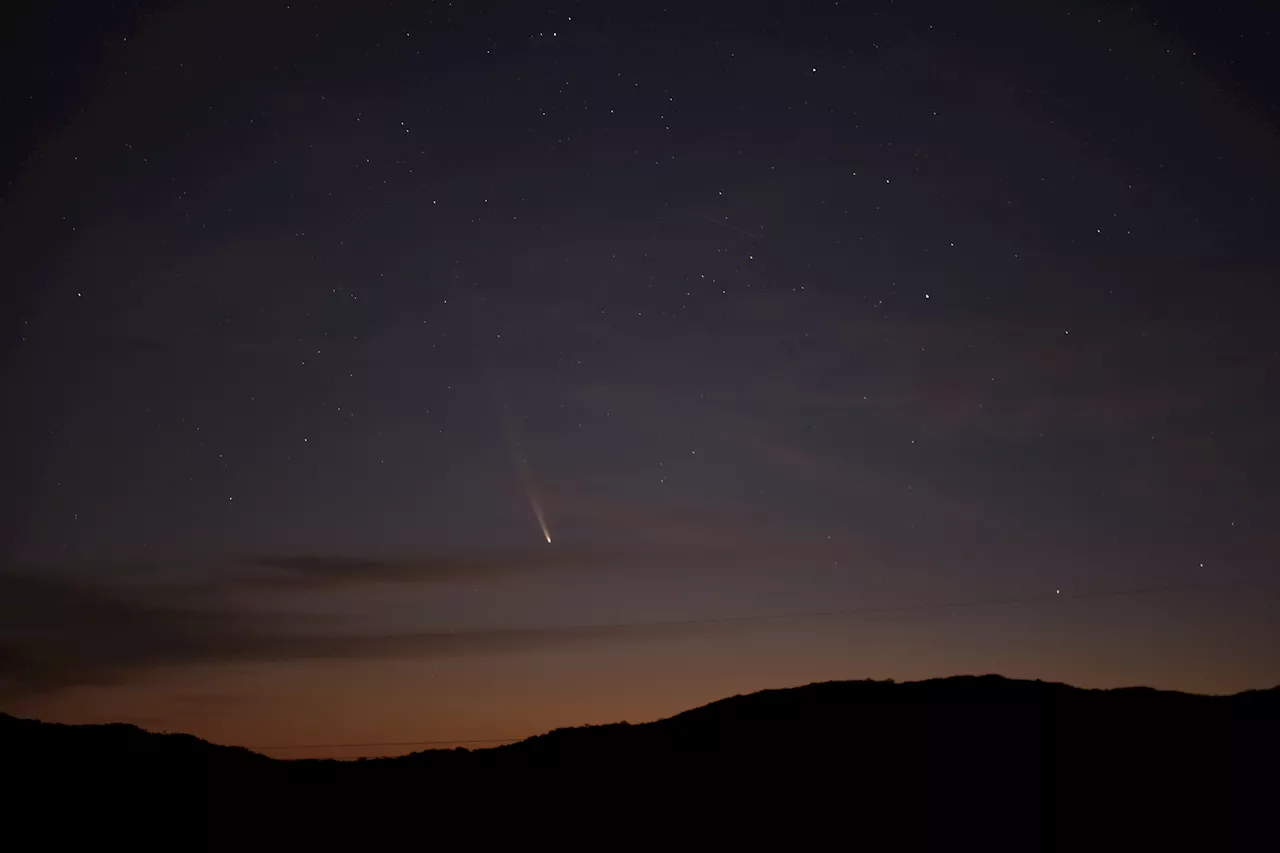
954,322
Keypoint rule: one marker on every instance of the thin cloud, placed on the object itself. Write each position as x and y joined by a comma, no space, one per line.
104,636
1014,375
654,537
59,633
320,570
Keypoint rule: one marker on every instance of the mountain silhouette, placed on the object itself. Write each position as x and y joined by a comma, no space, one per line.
976,762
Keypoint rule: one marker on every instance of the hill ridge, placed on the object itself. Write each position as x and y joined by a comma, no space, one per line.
1013,764
966,680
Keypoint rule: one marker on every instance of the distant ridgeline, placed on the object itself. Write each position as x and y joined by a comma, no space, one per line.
965,762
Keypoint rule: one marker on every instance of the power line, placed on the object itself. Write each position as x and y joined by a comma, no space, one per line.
386,743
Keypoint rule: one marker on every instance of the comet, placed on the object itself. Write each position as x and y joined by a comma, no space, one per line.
522,464
542,520
526,480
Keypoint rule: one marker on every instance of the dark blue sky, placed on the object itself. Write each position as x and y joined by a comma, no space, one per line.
790,308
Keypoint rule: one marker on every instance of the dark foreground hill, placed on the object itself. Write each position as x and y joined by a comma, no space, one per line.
967,762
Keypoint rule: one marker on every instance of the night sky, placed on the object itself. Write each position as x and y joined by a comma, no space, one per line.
403,372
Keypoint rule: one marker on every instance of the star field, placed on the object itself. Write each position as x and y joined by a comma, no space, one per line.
506,367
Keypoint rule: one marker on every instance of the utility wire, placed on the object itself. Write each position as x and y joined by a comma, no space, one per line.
387,743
